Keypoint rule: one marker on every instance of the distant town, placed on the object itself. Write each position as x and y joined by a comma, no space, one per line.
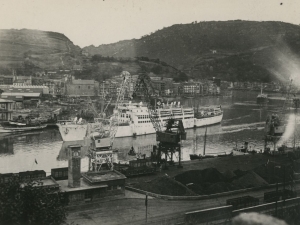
62,83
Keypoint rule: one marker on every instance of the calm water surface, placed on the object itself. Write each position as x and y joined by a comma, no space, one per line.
243,121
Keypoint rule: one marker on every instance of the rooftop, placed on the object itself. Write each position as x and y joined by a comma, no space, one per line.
83,186
20,94
47,182
95,177
5,101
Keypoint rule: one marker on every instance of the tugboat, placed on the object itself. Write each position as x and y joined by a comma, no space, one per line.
244,149
262,98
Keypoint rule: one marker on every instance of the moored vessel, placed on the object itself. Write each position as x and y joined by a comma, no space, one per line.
134,120
21,124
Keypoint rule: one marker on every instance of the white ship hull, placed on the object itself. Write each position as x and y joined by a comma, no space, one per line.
72,132
132,130
136,122
208,121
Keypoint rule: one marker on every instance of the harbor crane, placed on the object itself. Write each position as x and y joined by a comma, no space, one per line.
104,130
169,135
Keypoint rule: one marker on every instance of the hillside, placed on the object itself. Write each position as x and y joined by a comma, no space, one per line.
39,49
232,50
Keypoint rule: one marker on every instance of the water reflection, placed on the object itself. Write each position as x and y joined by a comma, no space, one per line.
243,120
6,145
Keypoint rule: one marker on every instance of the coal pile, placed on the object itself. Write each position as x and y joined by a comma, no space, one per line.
249,180
207,181
229,175
209,175
221,187
165,186
211,181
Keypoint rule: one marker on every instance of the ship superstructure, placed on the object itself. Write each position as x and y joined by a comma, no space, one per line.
134,120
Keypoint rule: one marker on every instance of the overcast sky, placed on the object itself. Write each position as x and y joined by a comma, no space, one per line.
95,22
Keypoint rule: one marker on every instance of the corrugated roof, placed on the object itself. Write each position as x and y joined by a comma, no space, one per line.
21,94
23,90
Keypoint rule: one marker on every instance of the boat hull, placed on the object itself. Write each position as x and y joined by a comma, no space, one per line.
208,121
20,129
72,132
75,132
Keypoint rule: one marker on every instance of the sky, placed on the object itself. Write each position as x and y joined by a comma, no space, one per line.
96,22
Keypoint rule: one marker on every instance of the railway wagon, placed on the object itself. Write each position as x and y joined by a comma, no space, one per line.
242,202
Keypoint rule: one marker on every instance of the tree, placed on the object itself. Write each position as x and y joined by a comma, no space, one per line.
31,203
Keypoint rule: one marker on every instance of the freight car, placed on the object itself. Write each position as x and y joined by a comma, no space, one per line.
242,202
137,167
273,196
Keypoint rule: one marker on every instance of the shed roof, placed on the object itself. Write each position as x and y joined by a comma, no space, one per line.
64,186
5,101
20,94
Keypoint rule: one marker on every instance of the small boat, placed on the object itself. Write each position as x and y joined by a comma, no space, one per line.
195,156
22,128
262,98
132,152
21,124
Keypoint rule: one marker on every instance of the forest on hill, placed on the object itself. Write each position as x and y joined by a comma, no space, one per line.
231,50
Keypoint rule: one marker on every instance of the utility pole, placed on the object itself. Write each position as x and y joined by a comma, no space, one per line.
204,141
146,204
283,183
276,199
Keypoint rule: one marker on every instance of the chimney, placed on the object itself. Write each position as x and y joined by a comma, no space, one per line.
74,171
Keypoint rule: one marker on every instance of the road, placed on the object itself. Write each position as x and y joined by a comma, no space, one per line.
132,210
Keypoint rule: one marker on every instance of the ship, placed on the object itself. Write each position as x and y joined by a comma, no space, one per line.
134,120
262,98
20,124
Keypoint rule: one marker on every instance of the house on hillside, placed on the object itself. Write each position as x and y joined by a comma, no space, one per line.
75,88
22,80
6,79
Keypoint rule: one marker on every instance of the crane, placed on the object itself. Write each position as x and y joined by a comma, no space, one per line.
104,130
169,140
144,86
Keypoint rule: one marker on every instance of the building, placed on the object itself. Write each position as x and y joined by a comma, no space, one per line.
194,88
6,109
80,188
177,88
22,80
22,94
6,79
74,88
89,186
43,89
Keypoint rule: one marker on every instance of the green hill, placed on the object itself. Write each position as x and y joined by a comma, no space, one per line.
232,50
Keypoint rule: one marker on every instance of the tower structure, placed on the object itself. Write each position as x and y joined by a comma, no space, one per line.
74,171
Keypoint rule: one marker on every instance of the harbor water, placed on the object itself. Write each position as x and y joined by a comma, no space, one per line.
243,120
